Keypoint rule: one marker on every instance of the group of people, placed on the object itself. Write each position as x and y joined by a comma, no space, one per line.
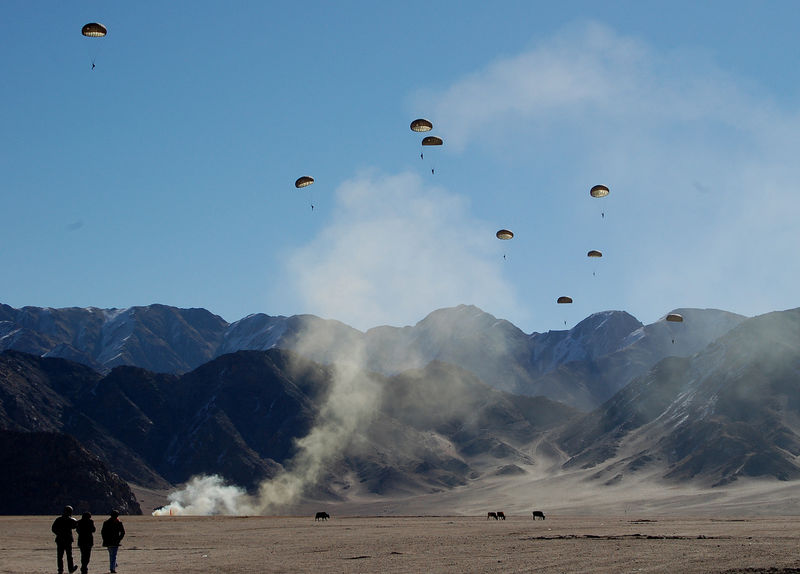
112,534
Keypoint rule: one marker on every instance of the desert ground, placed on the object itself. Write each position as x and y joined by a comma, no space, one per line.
187,544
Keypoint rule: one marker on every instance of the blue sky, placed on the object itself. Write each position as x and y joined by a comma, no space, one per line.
165,175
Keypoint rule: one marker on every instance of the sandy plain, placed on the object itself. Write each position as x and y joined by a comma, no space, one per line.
407,544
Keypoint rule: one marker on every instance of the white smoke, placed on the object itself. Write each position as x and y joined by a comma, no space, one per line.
205,495
394,248
349,405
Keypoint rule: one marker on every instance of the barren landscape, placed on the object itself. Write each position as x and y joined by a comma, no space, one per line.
424,544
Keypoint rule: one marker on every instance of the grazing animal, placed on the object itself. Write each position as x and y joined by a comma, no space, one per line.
501,515
538,514
491,515
321,516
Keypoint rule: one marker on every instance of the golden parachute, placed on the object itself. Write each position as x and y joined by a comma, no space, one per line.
94,30
504,234
599,191
594,253
432,140
564,299
675,318
304,181
421,125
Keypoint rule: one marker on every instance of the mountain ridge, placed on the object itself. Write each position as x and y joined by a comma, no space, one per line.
557,364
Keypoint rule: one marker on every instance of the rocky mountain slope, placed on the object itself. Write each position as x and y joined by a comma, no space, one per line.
582,366
730,411
41,472
240,415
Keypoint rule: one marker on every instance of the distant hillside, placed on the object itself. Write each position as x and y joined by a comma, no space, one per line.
732,410
42,472
581,367
241,414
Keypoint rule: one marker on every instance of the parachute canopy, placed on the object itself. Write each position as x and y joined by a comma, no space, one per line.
304,181
504,234
599,191
94,30
675,318
594,253
564,299
432,140
421,125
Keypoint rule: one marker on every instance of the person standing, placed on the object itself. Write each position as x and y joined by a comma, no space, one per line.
62,528
85,532
112,533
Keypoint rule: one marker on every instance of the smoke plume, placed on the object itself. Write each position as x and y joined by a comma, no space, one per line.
349,405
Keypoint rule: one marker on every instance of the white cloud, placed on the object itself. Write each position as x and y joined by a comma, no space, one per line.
395,248
701,162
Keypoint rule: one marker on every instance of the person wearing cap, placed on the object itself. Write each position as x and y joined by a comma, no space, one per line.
62,528
85,532
112,533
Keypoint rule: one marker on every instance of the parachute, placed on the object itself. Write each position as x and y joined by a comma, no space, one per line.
594,253
432,140
304,181
421,125
564,299
94,30
504,234
599,191
674,318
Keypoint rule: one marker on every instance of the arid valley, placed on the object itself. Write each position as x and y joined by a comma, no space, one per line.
444,544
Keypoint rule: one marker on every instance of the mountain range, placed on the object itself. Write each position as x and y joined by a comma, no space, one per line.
582,366
159,394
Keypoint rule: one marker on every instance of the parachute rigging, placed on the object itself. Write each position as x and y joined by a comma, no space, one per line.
94,30
599,191
674,318
302,182
431,141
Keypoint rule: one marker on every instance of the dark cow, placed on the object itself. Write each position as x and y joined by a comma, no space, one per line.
491,515
538,514
321,516
501,515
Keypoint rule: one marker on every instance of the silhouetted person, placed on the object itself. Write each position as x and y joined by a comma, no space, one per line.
85,532
62,528
112,532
